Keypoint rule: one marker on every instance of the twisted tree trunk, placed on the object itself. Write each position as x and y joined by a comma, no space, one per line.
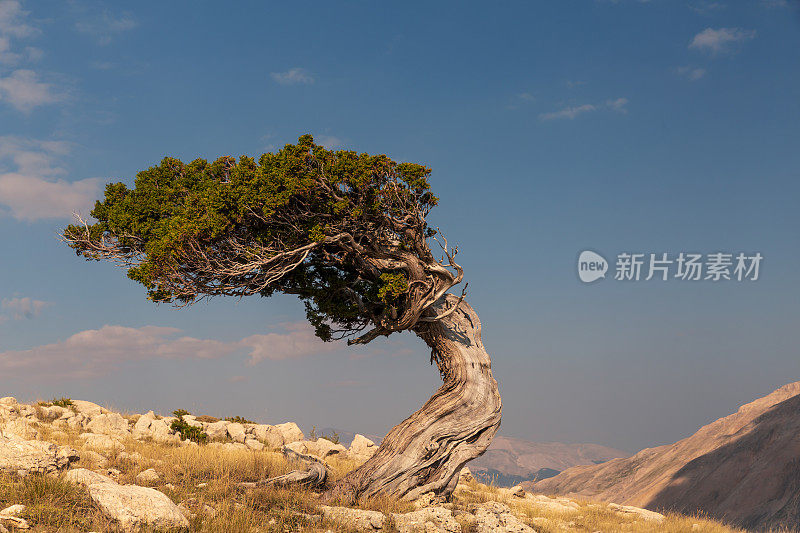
426,452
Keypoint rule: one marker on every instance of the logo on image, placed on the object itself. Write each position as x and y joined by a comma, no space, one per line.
591,266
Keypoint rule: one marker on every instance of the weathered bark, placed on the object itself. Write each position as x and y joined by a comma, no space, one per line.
426,452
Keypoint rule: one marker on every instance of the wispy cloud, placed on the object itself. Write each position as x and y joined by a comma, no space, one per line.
618,105
705,7
106,26
569,112
293,76
716,41
33,190
329,141
24,307
691,73
96,352
12,20
24,90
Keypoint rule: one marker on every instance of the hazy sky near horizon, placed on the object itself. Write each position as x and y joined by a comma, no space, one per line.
551,127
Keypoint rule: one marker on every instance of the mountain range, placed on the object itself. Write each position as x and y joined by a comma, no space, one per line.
743,469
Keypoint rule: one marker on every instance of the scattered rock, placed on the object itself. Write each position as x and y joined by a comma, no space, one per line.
323,448
24,457
254,444
130,505
362,448
356,518
22,428
88,409
148,476
105,443
14,510
95,458
109,424
495,517
637,511
290,432
217,430
428,520
269,435
236,432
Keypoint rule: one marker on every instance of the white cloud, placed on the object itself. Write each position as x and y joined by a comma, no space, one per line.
568,112
33,190
329,141
692,74
618,105
106,26
720,40
24,307
293,76
298,341
12,20
96,352
23,90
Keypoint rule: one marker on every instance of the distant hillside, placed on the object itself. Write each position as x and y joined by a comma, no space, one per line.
510,461
744,469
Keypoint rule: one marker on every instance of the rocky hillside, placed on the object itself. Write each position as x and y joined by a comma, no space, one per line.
73,466
744,469
510,461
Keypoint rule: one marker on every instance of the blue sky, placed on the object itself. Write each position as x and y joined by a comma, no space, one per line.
552,128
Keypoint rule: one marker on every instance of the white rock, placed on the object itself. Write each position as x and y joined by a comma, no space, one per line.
104,443
495,517
109,424
22,456
254,444
323,448
429,519
290,432
95,458
269,435
297,447
88,408
236,432
148,476
355,518
130,505
14,510
637,511
22,428
217,430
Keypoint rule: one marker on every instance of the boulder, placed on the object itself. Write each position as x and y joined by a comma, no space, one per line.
88,408
22,456
217,430
269,435
254,444
159,431
323,448
103,443
130,505
297,447
148,476
360,519
496,517
236,432
362,448
109,424
94,458
22,428
428,520
644,514
290,432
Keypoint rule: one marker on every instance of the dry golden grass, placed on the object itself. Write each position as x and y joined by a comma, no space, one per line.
205,480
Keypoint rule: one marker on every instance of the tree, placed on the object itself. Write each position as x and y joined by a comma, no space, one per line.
347,234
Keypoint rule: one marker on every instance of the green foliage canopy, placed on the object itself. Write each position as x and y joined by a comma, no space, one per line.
346,232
